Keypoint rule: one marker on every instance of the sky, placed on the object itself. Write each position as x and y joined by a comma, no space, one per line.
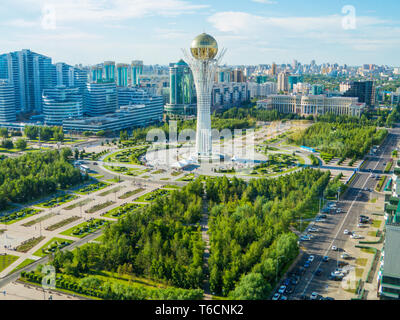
352,32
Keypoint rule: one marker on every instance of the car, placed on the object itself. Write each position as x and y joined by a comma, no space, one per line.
282,289
318,272
346,232
325,259
337,274
345,255
305,238
313,230
286,282
95,163
329,298
314,296
276,296
283,298
311,258
334,248
307,264
357,236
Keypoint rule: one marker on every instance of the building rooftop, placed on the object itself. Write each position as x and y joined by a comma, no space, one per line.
392,253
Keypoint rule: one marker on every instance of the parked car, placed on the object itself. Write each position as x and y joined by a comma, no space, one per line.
307,264
334,248
295,280
346,232
276,296
314,296
311,258
283,298
282,289
325,259
345,255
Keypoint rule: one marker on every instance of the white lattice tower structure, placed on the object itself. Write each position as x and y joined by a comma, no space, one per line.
203,75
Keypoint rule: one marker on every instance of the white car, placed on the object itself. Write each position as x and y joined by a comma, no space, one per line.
314,296
345,255
276,296
337,274
311,258
313,230
346,232
282,289
334,248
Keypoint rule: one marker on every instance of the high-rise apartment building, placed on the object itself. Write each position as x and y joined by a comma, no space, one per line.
237,76
109,70
283,82
29,73
60,103
274,70
122,74
96,73
137,70
7,102
182,98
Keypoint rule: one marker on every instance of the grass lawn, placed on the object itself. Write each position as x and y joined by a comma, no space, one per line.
29,244
6,260
362,262
116,189
123,210
35,221
373,200
171,186
78,204
92,187
62,223
19,215
367,250
359,272
377,223
151,196
22,264
57,201
51,246
131,193
175,173
85,228
187,177
99,206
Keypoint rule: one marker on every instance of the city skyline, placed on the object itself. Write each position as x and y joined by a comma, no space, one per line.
256,31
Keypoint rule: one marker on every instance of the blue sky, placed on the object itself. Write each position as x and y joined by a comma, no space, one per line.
253,31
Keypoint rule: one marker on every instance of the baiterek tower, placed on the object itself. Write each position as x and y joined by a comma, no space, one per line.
203,62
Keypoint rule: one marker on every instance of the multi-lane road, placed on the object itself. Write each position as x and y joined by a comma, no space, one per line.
331,231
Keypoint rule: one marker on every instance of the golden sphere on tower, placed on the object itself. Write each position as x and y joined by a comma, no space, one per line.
204,47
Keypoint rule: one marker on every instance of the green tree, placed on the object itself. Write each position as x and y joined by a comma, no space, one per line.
21,144
251,287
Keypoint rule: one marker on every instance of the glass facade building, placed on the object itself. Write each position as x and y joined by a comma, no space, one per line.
137,70
61,103
100,98
7,102
122,74
182,98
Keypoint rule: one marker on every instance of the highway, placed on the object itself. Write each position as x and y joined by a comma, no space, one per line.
331,232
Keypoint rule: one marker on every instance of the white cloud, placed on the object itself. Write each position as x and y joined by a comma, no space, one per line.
113,10
265,1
